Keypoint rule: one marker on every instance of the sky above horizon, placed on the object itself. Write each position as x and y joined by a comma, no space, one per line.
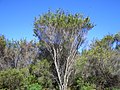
17,16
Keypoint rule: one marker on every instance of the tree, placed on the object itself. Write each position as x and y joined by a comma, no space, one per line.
102,64
2,45
18,54
62,34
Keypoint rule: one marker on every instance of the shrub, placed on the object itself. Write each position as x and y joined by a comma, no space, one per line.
82,85
34,86
11,79
41,71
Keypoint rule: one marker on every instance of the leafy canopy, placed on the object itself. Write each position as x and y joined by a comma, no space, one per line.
60,24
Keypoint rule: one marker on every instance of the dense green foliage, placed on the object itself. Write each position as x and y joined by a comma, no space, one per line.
101,63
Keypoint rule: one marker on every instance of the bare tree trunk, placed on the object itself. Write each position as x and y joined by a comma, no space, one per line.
64,71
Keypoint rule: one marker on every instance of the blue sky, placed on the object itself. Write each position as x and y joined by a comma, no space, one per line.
17,16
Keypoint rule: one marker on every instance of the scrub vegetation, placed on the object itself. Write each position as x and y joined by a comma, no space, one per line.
55,61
